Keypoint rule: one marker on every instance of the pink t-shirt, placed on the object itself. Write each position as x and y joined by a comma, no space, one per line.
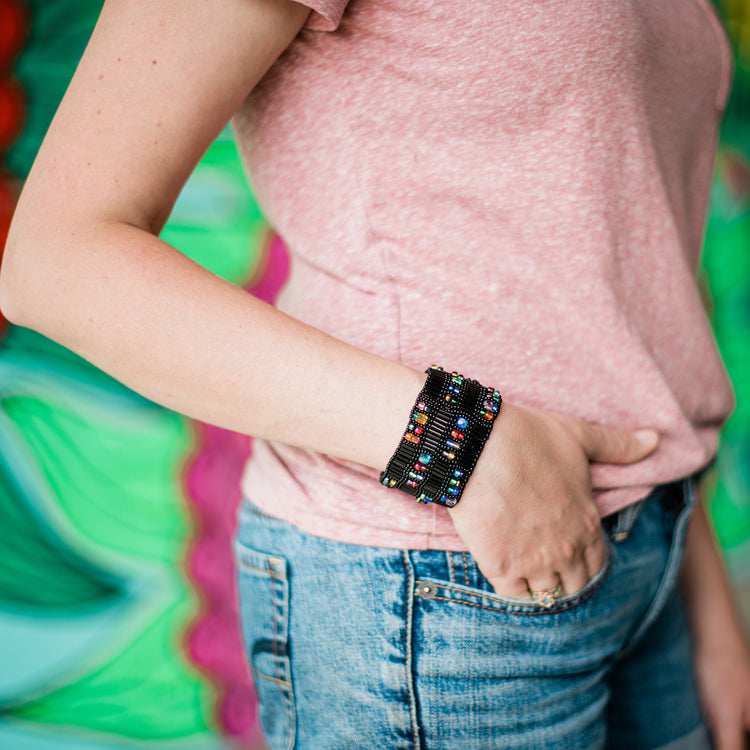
513,190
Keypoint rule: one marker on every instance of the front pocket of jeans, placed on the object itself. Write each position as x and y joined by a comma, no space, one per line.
263,581
428,588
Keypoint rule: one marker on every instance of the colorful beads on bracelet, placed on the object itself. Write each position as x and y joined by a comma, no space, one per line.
491,406
450,422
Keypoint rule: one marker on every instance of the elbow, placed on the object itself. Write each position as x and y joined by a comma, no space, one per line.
21,276
7,309
11,286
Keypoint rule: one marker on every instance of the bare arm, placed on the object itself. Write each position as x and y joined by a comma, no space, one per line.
721,652
157,83
85,267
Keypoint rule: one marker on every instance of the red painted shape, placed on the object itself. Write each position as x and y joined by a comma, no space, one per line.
14,28
12,111
15,22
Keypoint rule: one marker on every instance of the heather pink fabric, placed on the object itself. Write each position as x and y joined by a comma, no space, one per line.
513,190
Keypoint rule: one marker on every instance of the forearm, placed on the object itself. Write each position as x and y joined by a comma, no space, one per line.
181,336
708,596
721,657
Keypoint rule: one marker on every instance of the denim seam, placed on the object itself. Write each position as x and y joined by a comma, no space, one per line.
277,582
409,666
280,587
277,680
507,606
508,610
466,568
275,640
264,571
451,571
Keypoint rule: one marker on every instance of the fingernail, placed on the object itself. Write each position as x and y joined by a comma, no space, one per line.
647,438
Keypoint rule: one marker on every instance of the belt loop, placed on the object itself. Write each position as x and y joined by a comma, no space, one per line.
675,495
625,520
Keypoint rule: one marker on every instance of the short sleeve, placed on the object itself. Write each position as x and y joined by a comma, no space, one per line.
326,14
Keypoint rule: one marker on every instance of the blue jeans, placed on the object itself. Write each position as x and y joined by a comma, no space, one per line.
356,648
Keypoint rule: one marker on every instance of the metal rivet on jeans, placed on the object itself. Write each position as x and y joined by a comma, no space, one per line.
425,591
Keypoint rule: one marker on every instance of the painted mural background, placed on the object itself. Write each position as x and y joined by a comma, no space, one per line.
117,619
117,616
726,267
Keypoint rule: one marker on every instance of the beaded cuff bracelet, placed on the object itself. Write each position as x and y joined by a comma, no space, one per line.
449,425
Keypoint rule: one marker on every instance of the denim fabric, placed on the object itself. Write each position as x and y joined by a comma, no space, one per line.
356,647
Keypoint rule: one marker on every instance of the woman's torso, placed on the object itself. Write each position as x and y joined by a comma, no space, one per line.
517,191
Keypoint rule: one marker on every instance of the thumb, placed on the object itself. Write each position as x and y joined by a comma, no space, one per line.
617,446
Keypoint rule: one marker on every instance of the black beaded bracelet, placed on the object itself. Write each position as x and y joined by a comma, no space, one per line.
449,425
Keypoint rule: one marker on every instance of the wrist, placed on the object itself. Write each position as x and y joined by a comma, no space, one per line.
445,434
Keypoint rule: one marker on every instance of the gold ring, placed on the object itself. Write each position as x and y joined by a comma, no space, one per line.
546,598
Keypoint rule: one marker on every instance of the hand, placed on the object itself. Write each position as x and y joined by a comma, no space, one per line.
527,514
723,677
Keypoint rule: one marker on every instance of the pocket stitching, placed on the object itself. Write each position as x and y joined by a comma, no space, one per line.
531,610
272,571
520,607
285,683
466,568
275,641
263,571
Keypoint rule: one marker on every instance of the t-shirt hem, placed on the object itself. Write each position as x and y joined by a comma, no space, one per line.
348,532
326,14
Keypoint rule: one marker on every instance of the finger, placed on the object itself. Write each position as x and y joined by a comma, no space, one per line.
549,593
617,446
595,555
574,579
514,589
545,583
584,566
